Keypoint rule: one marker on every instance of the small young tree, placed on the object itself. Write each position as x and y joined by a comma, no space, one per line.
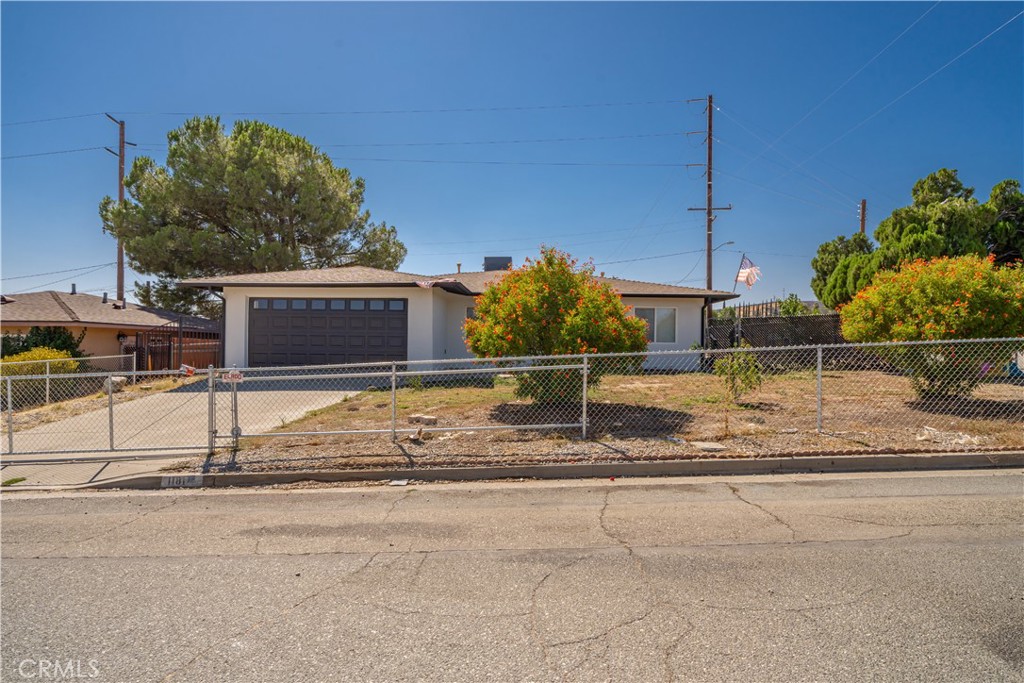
553,307
740,371
965,297
792,305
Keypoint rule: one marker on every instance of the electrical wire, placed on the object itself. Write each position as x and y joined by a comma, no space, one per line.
507,142
648,258
63,279
847,199
46,154
515,163
779,192
771,145
452,143
439,110
540,237
914,87
56,118
861,182
57,272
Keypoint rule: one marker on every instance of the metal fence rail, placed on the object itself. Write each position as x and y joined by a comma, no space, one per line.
47,392
950,395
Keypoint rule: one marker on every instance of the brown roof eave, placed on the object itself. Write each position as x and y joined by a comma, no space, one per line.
220,286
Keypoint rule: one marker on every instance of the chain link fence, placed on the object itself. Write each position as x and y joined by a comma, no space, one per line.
42,390
104,412
740,402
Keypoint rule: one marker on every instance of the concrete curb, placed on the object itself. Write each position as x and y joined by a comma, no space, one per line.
776,465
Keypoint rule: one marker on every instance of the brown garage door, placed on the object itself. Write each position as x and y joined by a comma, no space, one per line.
318,331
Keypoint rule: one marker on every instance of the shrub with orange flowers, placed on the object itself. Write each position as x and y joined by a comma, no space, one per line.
965,297
552,306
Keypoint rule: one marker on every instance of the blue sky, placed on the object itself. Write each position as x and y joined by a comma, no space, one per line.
774,69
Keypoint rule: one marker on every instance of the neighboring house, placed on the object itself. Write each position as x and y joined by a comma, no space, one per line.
111,327
357,314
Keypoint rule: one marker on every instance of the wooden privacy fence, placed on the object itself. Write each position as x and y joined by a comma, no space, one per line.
170,346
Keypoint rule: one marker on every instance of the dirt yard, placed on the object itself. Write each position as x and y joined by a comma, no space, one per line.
646,418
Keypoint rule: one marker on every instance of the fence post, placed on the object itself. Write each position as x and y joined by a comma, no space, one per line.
110,408
181,342
236,430
47,381
10,417
394,402
135,368
819,390
584,418
212,410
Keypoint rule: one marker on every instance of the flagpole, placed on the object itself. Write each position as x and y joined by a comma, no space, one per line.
736,279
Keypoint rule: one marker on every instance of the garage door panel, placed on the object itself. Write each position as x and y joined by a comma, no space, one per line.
318,331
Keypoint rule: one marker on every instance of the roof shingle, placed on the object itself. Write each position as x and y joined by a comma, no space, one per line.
63,308
473,282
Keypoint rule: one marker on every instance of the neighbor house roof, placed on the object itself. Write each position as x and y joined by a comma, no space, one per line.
65,309
467,283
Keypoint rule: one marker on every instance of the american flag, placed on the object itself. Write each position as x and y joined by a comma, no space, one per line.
748,272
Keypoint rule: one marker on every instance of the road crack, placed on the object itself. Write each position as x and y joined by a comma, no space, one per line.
779,520
270,619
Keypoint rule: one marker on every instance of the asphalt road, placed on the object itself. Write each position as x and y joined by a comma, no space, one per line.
912,577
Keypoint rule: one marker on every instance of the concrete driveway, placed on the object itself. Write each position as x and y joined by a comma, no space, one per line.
176,420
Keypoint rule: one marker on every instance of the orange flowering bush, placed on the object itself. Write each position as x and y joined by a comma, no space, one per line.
552,306
965,297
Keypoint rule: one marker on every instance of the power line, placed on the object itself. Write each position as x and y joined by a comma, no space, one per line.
542,237
46,154
438,110
824,196
766,253
856,73
805,173
68,278
515,163
161,145
780,192
58,272
650,258
506,142
56,118
916,86
736,119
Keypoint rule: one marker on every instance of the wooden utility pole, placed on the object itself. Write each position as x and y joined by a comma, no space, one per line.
863,214
710,207
120,198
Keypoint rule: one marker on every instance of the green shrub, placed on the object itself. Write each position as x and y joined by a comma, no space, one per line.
966,297
61,362
740,371
58,338
551,307
29,392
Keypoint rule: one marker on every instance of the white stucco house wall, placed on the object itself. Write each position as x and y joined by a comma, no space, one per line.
357,314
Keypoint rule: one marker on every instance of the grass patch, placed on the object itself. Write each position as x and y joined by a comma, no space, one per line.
13,481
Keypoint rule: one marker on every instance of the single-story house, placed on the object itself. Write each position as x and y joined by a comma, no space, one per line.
111,327
356,314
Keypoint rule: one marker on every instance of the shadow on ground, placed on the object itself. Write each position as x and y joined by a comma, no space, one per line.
617,419
970,408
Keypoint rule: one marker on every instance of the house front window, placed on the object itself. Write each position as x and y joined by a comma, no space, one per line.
661,324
